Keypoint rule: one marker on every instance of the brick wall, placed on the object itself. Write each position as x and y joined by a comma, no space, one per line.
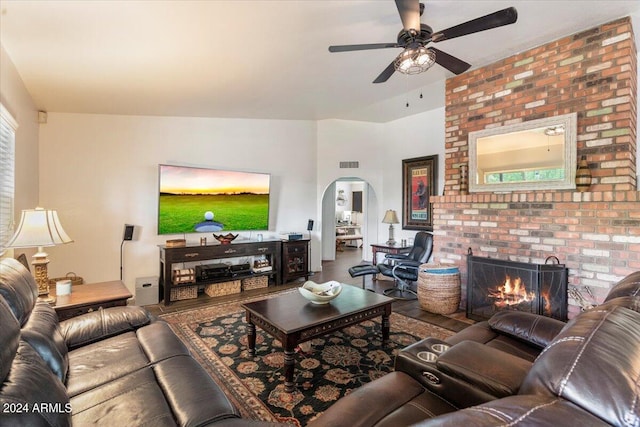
596,234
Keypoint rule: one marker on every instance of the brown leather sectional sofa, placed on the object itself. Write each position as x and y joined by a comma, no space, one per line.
114,367
120,367
516,369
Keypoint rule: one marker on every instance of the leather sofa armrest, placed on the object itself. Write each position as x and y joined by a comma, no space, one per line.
103,323
491,370
529,410
418,360
532,328
244,422
395,399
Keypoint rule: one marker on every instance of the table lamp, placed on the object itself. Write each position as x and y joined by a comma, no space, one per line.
39,228
390,217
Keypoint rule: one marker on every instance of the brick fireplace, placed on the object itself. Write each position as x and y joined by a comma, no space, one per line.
495,285
596,234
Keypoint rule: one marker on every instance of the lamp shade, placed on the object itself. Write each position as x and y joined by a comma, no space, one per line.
39,227
390,217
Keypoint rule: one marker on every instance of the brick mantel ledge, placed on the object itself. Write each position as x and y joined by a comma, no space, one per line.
530,197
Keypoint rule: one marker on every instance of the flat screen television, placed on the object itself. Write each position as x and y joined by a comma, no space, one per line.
193,200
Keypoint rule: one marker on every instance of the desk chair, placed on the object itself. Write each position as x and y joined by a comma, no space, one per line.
404,267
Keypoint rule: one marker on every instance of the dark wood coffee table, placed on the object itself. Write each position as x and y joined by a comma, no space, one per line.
293,320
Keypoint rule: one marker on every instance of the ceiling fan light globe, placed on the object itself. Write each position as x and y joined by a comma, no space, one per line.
427,56
405,60
415,61
422,59
405,65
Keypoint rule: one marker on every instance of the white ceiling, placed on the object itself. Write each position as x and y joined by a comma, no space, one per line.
257,59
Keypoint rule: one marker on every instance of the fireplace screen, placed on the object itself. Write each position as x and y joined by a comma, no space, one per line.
495,285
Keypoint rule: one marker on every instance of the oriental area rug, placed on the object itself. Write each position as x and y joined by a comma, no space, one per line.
326,369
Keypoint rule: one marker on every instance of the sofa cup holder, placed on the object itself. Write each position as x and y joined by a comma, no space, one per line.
427,356
440,348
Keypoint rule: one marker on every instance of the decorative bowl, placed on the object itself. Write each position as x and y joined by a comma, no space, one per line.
320,293
226,239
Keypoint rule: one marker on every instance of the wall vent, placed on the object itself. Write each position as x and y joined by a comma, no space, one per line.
349,165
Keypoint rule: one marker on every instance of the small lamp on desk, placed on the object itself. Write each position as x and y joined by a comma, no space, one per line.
39,228
390,217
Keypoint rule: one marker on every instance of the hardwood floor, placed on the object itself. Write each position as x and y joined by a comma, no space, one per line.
332,270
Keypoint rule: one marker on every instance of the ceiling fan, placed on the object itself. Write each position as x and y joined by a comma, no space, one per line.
414,37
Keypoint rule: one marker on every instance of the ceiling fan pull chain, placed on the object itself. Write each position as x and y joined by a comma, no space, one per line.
406,89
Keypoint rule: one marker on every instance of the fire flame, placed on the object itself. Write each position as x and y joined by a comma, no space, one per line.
512,292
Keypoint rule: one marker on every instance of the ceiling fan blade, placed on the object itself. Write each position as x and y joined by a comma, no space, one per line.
409,11
487,22
352,47
386,73
451,63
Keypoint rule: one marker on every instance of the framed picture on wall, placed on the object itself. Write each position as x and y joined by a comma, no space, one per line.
419,183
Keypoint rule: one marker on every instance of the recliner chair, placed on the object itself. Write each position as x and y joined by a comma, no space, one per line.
404,267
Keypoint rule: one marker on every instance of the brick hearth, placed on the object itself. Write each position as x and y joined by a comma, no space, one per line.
596,234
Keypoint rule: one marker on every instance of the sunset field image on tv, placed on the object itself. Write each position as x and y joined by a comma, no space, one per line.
196,200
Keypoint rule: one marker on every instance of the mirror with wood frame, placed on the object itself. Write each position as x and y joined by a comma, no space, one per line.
532,155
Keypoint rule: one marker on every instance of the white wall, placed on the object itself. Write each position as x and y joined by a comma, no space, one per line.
101,171
414,136
18,102
343,140
380,149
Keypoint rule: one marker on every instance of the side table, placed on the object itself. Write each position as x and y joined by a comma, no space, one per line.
89,297
388,249
295,260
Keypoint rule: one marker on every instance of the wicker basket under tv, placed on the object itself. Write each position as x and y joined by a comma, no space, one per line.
184,292
255,283
224,288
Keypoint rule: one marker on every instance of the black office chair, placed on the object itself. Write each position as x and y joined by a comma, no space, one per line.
404,267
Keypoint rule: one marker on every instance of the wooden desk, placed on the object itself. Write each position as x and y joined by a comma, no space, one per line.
90,297
387,249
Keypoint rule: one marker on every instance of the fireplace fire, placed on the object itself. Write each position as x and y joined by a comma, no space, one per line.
511,293
496,285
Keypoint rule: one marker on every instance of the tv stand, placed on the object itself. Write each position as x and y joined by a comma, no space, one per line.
193,253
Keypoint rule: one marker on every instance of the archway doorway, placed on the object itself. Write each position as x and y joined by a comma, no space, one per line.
349,216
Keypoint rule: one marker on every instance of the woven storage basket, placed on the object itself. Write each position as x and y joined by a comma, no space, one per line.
439,288
255,283
224,288
184,292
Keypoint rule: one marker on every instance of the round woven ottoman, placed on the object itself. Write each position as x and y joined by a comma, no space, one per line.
439,288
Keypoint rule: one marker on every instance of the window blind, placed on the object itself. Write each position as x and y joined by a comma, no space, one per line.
8,128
